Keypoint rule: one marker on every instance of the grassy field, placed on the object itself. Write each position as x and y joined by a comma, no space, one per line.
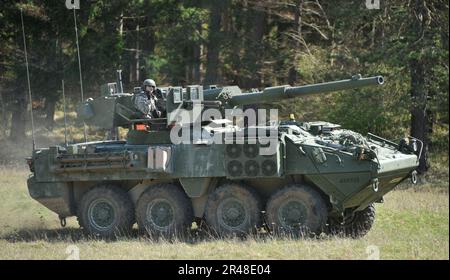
413,223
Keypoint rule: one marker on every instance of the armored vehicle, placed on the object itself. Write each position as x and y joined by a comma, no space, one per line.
193,164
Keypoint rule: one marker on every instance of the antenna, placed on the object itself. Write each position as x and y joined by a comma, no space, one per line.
65,115
28,79
79,68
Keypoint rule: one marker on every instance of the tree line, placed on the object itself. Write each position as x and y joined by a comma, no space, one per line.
249,43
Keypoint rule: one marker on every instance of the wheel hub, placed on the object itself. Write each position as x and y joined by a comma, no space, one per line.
292,214
160,213
101,214
231,213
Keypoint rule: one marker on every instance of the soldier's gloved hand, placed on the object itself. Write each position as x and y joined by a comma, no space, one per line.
158,113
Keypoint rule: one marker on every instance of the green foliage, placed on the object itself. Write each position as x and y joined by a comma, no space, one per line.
259,44
155,67
176,44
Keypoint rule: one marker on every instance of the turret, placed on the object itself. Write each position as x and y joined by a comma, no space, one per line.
117,109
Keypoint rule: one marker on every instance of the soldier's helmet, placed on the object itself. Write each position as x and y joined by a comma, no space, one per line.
149,82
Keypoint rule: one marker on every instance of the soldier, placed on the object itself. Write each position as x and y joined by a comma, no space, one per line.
147,101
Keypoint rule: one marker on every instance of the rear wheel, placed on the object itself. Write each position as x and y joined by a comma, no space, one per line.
233,209
296,210
356,226
164,210
106,211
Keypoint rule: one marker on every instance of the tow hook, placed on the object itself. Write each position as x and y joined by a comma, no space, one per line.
62,221
414,177
375,184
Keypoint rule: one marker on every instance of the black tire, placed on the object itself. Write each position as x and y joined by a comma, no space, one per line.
106,211
355,227
164,210
233,209
296,210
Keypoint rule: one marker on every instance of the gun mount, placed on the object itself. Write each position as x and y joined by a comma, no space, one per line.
117,109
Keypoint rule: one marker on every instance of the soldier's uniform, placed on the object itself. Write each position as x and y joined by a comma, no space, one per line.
148,106
150,101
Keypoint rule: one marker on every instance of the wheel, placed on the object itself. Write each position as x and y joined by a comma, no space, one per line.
164,210
356,226
296,210
233,209
106,211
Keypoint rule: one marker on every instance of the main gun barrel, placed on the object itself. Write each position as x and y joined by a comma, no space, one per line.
278,93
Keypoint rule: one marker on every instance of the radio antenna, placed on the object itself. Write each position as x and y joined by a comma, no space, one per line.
79,68
65,113
28,79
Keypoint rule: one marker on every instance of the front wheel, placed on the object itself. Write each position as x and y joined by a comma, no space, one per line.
355,226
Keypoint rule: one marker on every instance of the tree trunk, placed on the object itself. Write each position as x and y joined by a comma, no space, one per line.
419,112
3,120
196,65
54,84
50,104
196,60
420,118
293,74
137,57
19,113
254,48
214,43
148,43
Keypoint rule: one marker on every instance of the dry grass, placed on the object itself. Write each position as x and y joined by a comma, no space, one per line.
413,223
